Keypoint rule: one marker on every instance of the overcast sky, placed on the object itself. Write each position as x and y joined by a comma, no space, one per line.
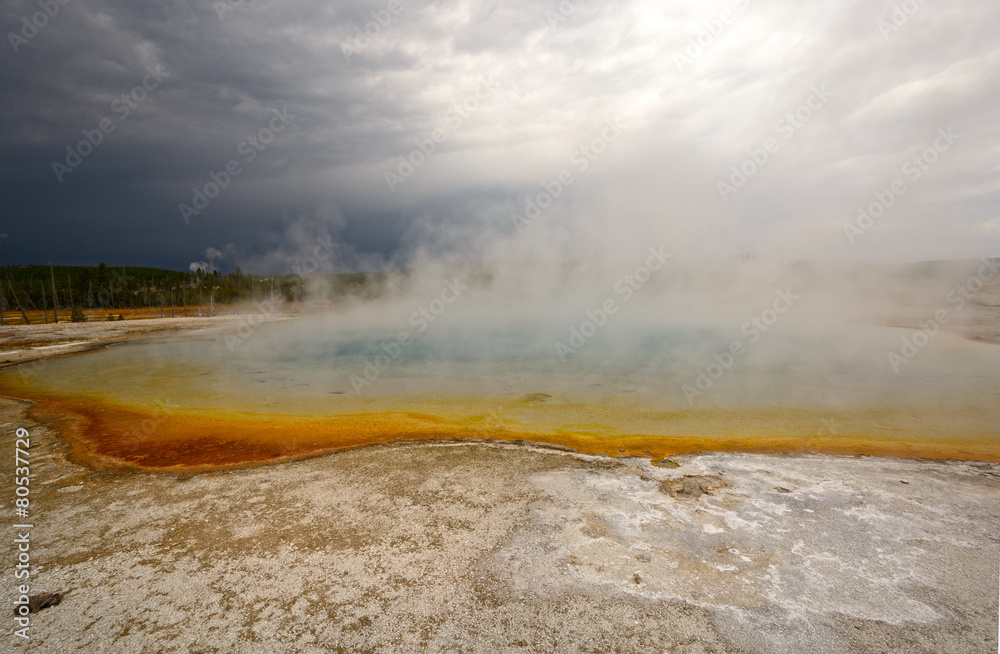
644,108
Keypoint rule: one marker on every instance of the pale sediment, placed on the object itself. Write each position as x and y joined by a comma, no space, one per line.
492,547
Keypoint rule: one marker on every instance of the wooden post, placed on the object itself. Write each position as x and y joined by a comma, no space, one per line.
69,285
18,302
55,298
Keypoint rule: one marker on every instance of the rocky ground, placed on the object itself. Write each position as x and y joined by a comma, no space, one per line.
24,343
477,547
486,547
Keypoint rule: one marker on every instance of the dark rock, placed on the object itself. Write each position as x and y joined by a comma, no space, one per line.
691,487
38,602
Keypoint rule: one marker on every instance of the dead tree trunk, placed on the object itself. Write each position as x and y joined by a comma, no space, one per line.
18,303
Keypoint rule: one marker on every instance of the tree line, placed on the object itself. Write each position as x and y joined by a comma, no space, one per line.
72,289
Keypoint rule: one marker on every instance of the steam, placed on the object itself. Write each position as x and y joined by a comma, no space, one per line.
577,309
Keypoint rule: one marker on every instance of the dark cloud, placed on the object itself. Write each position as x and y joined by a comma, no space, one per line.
700,94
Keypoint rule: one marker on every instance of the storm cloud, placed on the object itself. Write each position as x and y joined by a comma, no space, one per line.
241,132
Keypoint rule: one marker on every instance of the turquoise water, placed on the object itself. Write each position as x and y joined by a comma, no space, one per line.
316,357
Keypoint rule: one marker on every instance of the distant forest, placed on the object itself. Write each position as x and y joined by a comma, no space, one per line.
102,287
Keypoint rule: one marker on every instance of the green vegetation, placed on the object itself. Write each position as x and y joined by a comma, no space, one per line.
30,288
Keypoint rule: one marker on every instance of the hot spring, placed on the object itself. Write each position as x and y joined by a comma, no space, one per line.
653,384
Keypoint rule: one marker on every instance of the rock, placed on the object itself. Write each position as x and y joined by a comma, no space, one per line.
38,602
691,487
